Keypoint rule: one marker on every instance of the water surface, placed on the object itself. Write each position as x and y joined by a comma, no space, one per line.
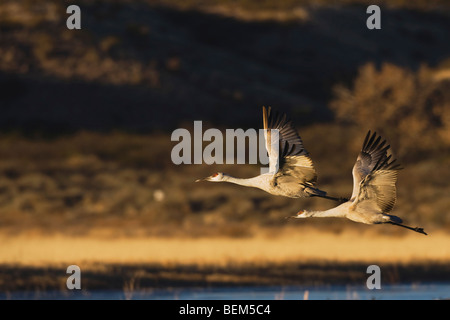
422,291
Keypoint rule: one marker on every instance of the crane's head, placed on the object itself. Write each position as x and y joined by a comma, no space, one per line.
302,214
216,177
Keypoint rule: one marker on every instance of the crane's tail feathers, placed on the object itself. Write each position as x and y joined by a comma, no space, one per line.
416,229
314,192
392,218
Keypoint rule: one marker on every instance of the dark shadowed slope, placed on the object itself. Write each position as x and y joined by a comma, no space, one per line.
140,67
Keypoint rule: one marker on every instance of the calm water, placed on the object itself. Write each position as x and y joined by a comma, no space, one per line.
429,291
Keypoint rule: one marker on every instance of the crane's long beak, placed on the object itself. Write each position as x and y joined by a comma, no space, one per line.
198,180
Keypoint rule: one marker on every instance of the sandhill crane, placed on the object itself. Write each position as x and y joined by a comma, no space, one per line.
374,191
295,177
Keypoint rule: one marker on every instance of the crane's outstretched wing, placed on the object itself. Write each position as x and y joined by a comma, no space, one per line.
290,157
372,152
377,189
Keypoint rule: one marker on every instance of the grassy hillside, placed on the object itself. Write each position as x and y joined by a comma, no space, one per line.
126,183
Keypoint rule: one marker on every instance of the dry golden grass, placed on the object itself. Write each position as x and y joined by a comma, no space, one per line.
292,246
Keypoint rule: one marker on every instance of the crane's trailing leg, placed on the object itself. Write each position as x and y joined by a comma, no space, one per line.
341,200
314,192
416,229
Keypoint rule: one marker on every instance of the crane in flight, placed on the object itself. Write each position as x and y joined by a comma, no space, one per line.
374,190
291,173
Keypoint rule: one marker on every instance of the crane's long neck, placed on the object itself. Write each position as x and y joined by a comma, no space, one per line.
256,182
339,211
